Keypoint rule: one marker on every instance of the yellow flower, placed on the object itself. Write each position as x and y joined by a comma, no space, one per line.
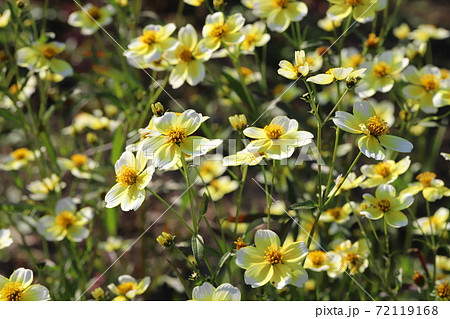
255,36
42,57
91,17
238,121
150,46
279,13
350,182
128,287
187,58
424,85
195,3
248,3
40,189
353,256
425,32
79,165
362,10
386,204
402,31
384,172
319,260
17,159
431,187
443,263
132,177
338,215
336,74
247,156
351,58
5,238
328,25
374,129
278,139
211,168
434,225
4,18
207,292
218,187
270,262
299,69
21,92
115,244
68,222
18,287
381,73
217,30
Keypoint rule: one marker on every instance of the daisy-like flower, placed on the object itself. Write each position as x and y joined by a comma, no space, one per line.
79,165
187,58
336,74
269,262
362,10
384,172
255,36
443,289
149,46
17,159
132,177
299,69
353,256
217,29
94,122
18,287
115,244
431,187
4,18
328,25
219,187
68,222
424,84
386,204
402,31
349,183
338,215
319,260
91,18
385,109
207,292
42,57
280,13
174,141
5,238
129,287
247,156
20,91
425,32
279,138
40,189
351,58
374,129
211,168
435,224
381,73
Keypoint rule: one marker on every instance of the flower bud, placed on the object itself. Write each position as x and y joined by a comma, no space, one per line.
218,4
372,41
238,122
418,279
98,294
240,243
405,115
165,240
158,109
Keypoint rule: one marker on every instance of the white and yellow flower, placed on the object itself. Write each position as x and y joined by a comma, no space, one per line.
278,139
338,214
207,292
349,183
68,222
21,92
94,122
132,176
247,156
211,168
354,257
423,85
385,109
336,74
194,3
187,58
374,129
384,172
115,244
219,30
255,36
42,57
40,189
351,58
434,225
19,287
129,287
219,187
443,263
91,18
4,18
362,11
386,204
17,159
425,32
402,31
270,262
79,165
150,46
381,73
431,187
299,69
319,260
5,238
328,25
279,13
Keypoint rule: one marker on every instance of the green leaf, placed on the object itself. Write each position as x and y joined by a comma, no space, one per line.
309,204
111,220
49,147
203,207
221,262
237,87
117,145
9,117
197,244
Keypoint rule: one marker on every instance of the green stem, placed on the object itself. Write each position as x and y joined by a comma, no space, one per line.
239,199
189,190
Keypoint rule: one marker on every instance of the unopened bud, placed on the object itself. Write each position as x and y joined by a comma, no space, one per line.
218,4
372,41
405,115
240,243
122,3
98,294
165,240
238,122
20,4
418,279
158,109
91,138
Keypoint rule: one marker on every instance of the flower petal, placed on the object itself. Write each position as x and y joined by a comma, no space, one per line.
258,274
227,292
247,256
36,293
396,219
204,292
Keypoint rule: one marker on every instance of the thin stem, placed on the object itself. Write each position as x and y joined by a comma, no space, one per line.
189,190
239,199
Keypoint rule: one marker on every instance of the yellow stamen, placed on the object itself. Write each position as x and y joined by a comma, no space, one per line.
430,82
376,126
176,134
125,287
65,219
335,212
317,257
183,54
49,52
356,60
353,2
126,176
246,71
14,88
219,31
383,169
281,3
381,69
94,12
12,291
384,205
274,255
149,37
79,159
274,131
426,178
443,290
20,153
215,184
239,243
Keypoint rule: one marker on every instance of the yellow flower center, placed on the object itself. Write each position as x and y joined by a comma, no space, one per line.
65,219
176,134
384,205
335,212
215,184
317,257
376,126
426,178
353,2
79,159
125,287
354,261
239,243
218,31
274,255
444,74
443,290
126,176
250,39
14,88
184,54
281,3
48,52
381,69
20,153
94,12
430,82
383,169
149,37
274,131
246,71
356,60
12,291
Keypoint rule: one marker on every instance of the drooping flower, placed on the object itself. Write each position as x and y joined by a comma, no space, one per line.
434,225
18,287
91,18
374,129
219,30
336,74
270,262
432,188
187,58
384,172
207,292
300,68
386,204
68,222
255,36
5,238
238,121
279,13
362,11
129,287
219,187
